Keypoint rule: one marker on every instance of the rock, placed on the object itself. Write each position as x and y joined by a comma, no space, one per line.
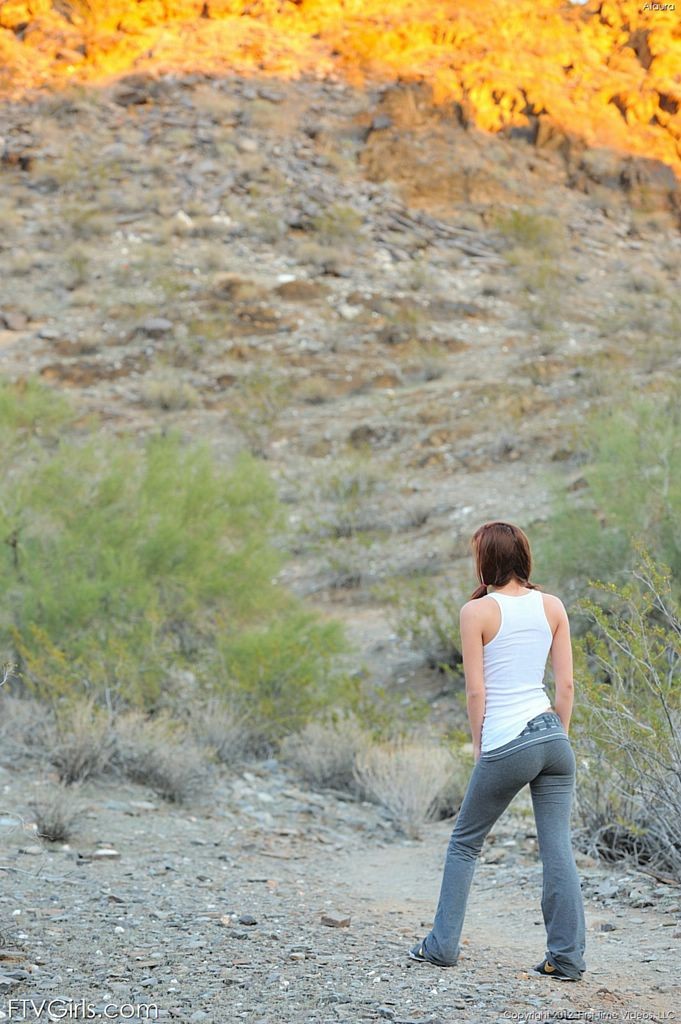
300,291
48,333
651,183
134,90
271,95
348,312
602,166
334,921
155,327
381,122
105,853
247,919
237,288
13,321
246,145
607,926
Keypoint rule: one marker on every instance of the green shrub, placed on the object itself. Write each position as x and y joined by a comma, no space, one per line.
126,562
630,486
628,721
286,670
430,623
339,223
542,235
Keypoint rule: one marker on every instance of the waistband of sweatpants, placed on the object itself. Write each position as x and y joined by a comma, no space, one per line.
545,726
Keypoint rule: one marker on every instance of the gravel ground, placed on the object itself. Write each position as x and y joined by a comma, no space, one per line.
267,903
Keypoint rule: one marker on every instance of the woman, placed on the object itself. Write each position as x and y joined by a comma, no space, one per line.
518,738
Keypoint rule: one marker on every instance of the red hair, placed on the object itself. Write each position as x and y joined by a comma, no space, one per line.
502,552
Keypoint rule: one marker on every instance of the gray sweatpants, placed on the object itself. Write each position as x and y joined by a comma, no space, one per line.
548,765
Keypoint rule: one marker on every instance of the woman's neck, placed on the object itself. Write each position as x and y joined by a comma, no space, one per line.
512,587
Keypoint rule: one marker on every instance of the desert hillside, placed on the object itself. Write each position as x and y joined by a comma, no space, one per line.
293,296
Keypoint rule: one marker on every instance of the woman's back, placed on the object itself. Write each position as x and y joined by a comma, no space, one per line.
514,661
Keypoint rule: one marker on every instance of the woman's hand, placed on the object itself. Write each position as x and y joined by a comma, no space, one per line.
476,753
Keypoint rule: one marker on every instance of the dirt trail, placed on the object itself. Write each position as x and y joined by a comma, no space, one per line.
214,914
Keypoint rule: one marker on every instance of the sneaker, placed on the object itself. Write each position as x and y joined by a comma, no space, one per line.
417,952
549,970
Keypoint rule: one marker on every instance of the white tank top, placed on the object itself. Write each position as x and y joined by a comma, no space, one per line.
513,664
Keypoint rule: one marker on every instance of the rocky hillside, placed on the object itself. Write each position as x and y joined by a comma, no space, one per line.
604,74
406,317
407,314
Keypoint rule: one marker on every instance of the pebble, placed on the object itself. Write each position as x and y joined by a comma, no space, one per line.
155,326
335,921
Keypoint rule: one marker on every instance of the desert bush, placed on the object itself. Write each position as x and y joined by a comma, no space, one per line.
338,223
224,729
430,623
80,741
56,811
630,452
159,753
25,724
28,409
170,393
323,753
628,721
408,779
544,236
256,404
286,672
351,562
349,486
128,562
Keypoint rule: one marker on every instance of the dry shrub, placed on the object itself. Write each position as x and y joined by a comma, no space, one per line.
80,741
410,779
628,723
56,811
160,754
24,726
324,752
170,393
223,730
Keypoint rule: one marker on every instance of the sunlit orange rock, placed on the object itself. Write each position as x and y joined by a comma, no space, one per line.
606,72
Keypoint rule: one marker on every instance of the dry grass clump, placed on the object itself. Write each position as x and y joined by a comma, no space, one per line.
24,723
56,811
410,779
80,742
222,730
159,754
170,393
324,752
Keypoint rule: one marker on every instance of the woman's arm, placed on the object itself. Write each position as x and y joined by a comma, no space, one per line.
471,647
561,660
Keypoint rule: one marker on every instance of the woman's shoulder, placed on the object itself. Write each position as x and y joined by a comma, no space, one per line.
552,600
476,606
554,609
